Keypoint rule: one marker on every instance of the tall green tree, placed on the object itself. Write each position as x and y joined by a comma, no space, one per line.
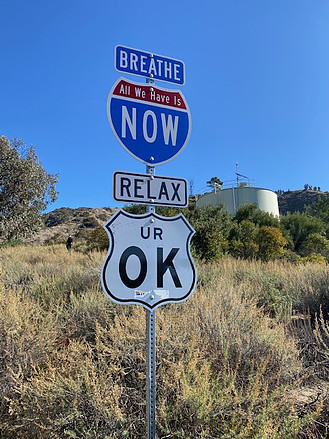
299,226
270,242
315,244
320,209
250,212
212,225
25,190
242,240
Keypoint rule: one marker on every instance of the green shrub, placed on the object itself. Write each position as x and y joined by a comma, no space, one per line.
98,239
315,258
212,226
270,242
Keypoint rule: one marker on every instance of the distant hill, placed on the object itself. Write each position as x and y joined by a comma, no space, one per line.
62,222
295,201
66,221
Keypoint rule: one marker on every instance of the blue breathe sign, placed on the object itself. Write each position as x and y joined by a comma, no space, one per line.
149,65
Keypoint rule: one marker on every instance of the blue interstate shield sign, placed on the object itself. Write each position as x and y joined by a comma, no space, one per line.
152,124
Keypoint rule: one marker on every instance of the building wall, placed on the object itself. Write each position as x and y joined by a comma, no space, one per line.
233,198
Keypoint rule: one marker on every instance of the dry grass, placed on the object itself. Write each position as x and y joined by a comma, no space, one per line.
72,363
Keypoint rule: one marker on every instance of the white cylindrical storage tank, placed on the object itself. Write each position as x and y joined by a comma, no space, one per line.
235,197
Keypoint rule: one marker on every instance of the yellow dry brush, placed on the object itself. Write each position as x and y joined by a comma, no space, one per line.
230,360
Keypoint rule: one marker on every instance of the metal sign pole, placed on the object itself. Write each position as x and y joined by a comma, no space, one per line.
151,370
150,342
151,354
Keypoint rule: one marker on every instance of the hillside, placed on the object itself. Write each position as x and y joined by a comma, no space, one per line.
295,201
66,221
59,223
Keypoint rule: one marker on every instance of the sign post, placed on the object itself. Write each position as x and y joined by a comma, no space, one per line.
149,261
151,373
150,353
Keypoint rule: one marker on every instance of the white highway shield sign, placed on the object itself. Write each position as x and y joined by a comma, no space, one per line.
149,189
148,261
152,124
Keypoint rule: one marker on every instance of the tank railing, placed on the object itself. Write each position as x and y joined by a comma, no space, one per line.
241,182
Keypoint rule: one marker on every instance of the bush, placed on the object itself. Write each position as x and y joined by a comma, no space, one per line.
315,258
98,239
316,244
300,227
212,226
73,363
242,242
270,243
90,222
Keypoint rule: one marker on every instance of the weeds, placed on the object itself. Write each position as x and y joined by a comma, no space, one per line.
72,363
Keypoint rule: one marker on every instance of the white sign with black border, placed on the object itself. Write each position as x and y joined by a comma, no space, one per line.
149,189
149,261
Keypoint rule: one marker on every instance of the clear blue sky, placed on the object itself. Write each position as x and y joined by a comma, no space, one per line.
257,84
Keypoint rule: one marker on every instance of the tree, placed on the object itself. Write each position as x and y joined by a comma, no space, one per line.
242,240
319,209
299,226
270,242
25,190
250,212
212,225
315,244
215,183
246,212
